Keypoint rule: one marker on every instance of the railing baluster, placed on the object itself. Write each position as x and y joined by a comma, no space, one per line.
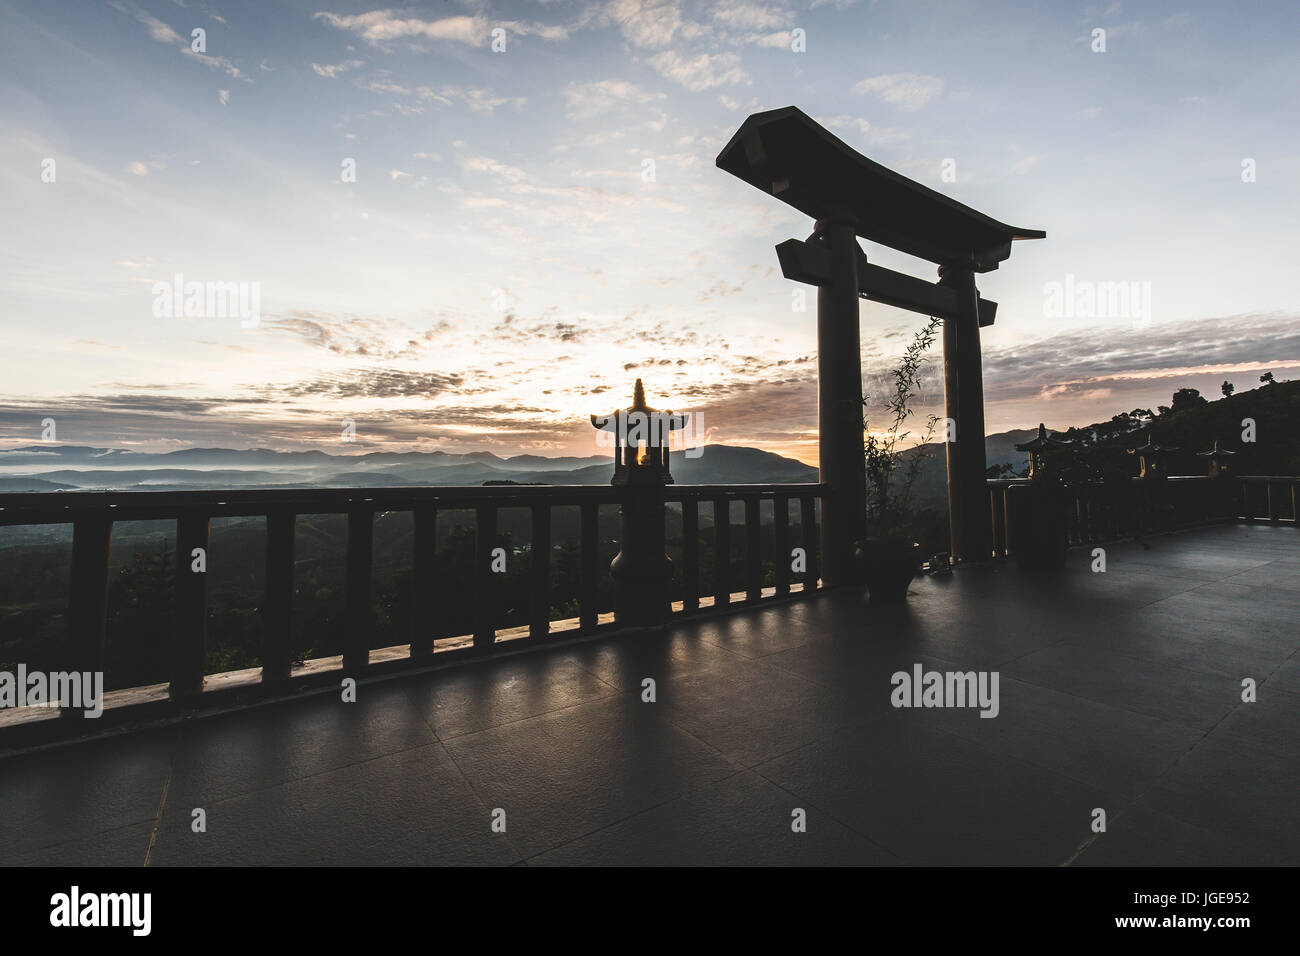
357,614
190,639
722,552
485,590
540,623
277,604
1004,525
808,519
753,550
690,555
424,573
587,587
781,534
997,513
1272,502
92,539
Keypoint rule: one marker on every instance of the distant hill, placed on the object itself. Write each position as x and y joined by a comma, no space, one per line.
20,483
55,467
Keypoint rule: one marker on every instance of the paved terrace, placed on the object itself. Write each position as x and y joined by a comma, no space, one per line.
1119,690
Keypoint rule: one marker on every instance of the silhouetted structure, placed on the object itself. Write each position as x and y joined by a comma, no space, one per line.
1151,458
1219,458
642,570
785,153
641,437
1036,447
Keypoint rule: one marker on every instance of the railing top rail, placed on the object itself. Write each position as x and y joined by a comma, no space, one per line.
56,507
1134,478
679,492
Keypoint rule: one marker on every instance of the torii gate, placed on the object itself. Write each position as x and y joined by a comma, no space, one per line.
785,153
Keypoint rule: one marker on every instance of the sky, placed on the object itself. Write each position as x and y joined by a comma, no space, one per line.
466,226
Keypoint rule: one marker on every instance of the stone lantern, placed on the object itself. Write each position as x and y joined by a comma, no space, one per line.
1221,496
1151,458
1036,446
1036,512
641,438
641,570
1218,460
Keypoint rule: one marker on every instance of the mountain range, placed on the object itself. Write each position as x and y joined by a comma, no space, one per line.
79,467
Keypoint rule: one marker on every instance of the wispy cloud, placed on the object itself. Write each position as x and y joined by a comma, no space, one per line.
906,90
700,71
163,33
380,26
331,70
586,100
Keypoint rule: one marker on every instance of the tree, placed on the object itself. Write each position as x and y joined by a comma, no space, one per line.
1227,389
1186,398
1267,378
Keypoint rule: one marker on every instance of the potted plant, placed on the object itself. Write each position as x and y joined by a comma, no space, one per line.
890,556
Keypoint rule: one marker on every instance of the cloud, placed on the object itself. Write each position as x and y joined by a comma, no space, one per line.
781,39
906,90
163,33
329,71
384,86
491,167
651,24
223,96
379,26
476,99
1100,357
372,337
741,14
217,63
157,29
378,383
702,71
585,100
873,135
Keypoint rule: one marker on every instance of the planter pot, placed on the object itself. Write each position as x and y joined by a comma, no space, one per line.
888,568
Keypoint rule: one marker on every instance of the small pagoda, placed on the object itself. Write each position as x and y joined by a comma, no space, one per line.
1219,460
1036,447
641,436
1151,458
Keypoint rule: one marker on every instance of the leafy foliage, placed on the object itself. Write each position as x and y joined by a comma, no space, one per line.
891,477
